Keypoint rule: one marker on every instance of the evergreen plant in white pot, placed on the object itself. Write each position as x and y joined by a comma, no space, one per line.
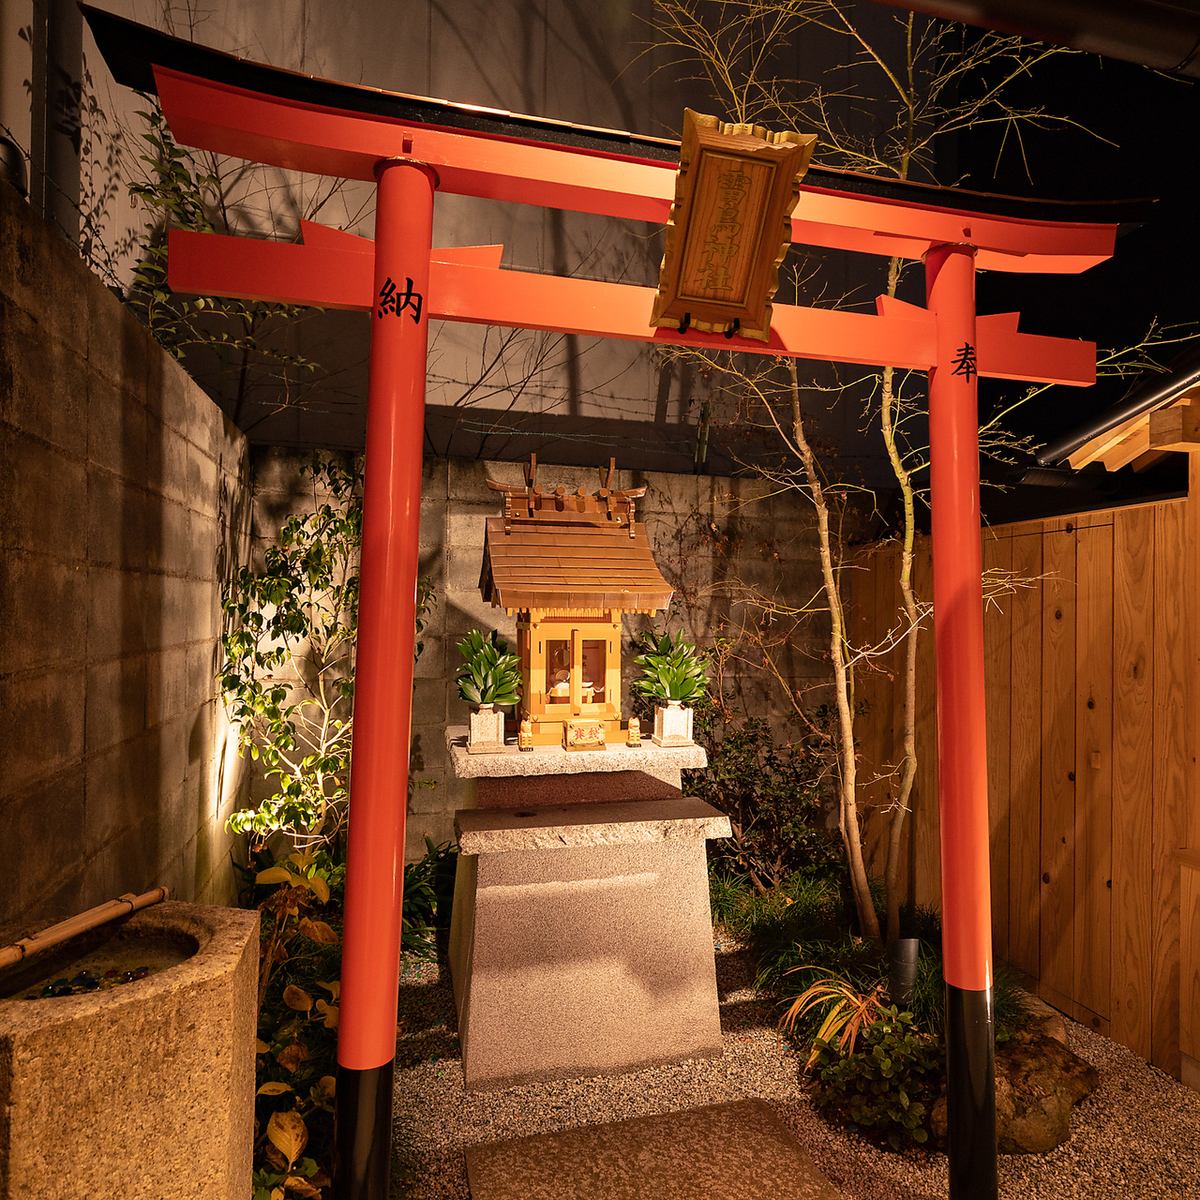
673,675
489,677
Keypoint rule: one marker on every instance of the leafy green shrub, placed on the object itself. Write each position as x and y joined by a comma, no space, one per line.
300,901
671,669
287,668
887,1088
790,961
775,793
428,894
490,674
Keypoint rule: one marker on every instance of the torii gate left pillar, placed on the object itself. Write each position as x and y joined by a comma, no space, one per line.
383,676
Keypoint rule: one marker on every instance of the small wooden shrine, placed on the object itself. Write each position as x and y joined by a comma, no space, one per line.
568,564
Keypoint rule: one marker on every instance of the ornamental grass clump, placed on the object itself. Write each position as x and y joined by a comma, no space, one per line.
845,1013
671,669
490,674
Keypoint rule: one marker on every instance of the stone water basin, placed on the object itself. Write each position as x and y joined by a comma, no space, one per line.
109,956
139,1090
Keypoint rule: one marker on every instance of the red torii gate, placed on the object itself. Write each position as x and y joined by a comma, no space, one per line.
413,147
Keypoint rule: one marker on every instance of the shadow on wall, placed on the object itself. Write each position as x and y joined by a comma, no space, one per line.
126,498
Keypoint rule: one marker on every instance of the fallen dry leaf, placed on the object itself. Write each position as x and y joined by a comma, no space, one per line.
287,1132
318,931
296,998
291,1056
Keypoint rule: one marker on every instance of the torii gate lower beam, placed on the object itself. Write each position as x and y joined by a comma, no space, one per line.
333,269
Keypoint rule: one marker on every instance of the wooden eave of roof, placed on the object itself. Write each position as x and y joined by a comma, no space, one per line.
581,566
132,52
1128,442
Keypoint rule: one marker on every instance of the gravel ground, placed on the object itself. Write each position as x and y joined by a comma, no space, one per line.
1136,1138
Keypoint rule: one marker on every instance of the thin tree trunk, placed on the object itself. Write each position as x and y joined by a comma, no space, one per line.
843,678
908,769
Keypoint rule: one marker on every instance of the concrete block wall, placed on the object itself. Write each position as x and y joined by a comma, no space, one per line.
713,537
125,500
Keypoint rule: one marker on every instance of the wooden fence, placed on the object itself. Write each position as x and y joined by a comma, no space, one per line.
1089,760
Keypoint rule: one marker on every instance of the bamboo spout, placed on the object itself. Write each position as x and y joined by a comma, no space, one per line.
82,922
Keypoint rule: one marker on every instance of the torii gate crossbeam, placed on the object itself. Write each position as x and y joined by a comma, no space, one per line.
415,147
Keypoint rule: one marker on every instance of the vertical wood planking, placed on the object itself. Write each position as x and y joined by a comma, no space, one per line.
1025,763
1171,778
1057,952
1189,991
1133,776
1191,507
1093,759
1097,666
997,636
927,866
1189,925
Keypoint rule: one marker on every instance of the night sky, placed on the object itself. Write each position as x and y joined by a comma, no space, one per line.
1154,122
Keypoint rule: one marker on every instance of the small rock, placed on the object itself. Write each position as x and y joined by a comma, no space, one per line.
1044,1019
1038,1082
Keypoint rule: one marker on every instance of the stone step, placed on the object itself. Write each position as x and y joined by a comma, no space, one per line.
735,1151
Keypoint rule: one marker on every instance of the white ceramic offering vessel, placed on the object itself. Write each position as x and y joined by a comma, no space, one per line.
673,724
487,728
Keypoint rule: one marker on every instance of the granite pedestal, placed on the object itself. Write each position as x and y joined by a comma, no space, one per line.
581,941
550,775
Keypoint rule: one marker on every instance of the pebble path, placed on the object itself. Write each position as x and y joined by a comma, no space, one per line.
1137,1137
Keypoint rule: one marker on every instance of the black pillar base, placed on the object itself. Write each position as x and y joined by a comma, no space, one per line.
363,1133
971,1094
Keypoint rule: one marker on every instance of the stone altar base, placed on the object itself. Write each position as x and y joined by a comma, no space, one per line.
581,939
738,1151
512,778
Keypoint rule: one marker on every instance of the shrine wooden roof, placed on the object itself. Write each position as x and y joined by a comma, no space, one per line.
556,564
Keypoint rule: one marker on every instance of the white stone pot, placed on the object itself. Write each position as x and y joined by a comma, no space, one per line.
487,729
673,724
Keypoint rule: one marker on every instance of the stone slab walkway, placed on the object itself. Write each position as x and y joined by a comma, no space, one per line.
736,1151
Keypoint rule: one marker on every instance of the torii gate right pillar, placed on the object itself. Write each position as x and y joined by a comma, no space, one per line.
961,719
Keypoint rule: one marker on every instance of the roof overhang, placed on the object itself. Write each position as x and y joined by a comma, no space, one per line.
1131,442
543,566
291,120
1136,431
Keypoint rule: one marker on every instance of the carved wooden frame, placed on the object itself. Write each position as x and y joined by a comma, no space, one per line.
729,229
